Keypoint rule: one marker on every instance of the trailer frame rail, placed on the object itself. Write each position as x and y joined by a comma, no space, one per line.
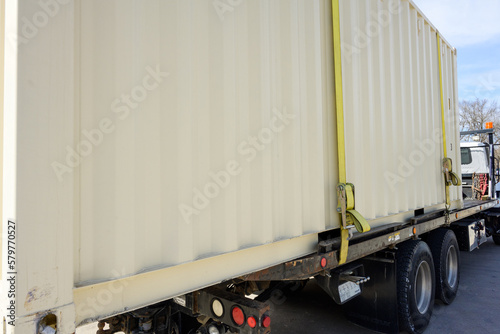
327,256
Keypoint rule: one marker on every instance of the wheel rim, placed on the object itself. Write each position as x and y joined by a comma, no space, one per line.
423,287
452,266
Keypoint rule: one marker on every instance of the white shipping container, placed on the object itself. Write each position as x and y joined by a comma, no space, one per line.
152,148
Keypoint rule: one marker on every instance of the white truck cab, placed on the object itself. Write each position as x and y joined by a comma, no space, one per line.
475,160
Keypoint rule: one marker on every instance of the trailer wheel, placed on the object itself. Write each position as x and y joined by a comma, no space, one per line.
415,285
445,252
496,239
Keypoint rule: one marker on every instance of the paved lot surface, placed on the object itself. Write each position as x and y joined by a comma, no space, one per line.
475,310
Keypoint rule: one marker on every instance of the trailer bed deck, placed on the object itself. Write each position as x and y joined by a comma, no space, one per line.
362,245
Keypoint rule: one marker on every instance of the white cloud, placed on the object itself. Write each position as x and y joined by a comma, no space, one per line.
464,22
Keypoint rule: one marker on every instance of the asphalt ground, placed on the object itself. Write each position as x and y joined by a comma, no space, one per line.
475,310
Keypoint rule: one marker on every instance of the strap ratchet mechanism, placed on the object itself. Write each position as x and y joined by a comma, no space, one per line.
346,207
450,178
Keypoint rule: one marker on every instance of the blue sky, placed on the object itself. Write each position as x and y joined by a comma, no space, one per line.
473,27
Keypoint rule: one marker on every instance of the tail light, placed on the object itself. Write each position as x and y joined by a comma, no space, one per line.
238,316
252,322
266,321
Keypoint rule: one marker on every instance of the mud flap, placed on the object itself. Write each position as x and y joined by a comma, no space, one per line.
377,306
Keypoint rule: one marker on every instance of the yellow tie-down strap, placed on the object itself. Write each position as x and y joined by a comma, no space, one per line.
353,216
350,217
450,177
345,191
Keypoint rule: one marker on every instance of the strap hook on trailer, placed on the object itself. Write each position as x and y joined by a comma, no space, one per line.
351,219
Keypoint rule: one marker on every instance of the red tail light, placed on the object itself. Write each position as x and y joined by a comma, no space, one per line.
252,322
238,316
266,321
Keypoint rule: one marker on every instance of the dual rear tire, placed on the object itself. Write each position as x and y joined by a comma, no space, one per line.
445,252
415,285
426,271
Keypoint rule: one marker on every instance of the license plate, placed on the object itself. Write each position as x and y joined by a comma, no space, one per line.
348,290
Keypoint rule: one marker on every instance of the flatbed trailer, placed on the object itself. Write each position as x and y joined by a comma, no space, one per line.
366,244
368,285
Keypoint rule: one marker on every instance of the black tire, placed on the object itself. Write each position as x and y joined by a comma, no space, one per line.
415,286
496,239
446,255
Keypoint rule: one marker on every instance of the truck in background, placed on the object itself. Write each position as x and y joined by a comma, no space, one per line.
475,169
478,166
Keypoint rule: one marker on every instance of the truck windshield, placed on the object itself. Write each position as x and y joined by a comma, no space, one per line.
466,155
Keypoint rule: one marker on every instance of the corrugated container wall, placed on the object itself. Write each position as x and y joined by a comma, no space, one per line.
165,146
392,108
250,91
227,149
